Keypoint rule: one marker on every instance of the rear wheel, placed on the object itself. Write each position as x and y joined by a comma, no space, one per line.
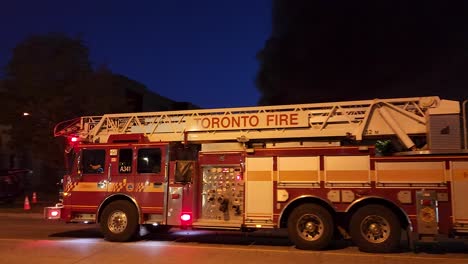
375,228
119,221
310,226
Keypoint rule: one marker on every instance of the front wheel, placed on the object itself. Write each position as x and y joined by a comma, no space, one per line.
119,221
310,226
376,229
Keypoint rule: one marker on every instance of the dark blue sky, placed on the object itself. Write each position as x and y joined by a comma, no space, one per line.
197,51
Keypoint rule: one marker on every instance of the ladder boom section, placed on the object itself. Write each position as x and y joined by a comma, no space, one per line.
360,119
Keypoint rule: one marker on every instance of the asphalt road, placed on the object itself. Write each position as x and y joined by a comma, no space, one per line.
26,238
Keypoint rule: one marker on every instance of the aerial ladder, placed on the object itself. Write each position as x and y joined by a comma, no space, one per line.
377,118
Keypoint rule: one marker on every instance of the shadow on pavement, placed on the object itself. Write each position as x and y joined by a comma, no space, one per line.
442,247
220,237
91,232
259,238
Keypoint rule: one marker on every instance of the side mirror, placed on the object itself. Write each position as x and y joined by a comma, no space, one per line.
79,175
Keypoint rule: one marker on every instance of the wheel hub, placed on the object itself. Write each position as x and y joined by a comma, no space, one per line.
310,227
375,229
117,222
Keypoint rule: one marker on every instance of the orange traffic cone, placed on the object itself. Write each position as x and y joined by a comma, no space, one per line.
26,203
34,198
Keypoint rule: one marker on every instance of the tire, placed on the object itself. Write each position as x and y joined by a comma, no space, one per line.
375,229
119,221
310,227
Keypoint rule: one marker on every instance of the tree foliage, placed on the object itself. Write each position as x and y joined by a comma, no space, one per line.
51,78
343,50
40,79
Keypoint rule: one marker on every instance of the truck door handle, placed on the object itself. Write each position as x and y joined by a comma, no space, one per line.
102,184
109,172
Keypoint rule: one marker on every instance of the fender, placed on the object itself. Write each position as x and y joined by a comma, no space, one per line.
362,199
108,199
300,198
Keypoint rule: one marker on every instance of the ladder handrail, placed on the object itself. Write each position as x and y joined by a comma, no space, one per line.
67,127
322,120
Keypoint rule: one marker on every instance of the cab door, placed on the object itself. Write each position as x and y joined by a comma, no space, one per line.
122,170
85,187
151,179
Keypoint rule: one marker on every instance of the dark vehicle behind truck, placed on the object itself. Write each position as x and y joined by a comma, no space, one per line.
12,183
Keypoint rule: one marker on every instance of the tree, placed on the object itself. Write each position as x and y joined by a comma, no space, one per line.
40,80
344,50
50,77
99,93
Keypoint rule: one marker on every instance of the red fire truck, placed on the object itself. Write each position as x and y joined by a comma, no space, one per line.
367,170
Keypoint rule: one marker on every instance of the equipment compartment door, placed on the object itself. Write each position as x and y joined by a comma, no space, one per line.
222,194
259,190
459,191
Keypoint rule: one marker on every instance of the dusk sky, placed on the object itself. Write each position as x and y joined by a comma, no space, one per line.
197,51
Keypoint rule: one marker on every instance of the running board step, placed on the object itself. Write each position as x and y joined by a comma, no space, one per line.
217,225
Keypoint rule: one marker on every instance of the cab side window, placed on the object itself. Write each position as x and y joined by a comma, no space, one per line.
93,161
149,160
125,161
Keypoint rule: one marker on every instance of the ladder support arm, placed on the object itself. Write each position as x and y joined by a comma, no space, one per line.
405,139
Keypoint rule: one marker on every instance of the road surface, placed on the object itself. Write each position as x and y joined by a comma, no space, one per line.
25,238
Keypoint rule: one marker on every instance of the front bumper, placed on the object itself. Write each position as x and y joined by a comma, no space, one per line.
53,212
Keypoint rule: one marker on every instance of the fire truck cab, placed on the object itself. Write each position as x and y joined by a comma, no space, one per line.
365,170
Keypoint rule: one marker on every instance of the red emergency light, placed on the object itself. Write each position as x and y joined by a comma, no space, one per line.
52,212
73,139
426,202
186,218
